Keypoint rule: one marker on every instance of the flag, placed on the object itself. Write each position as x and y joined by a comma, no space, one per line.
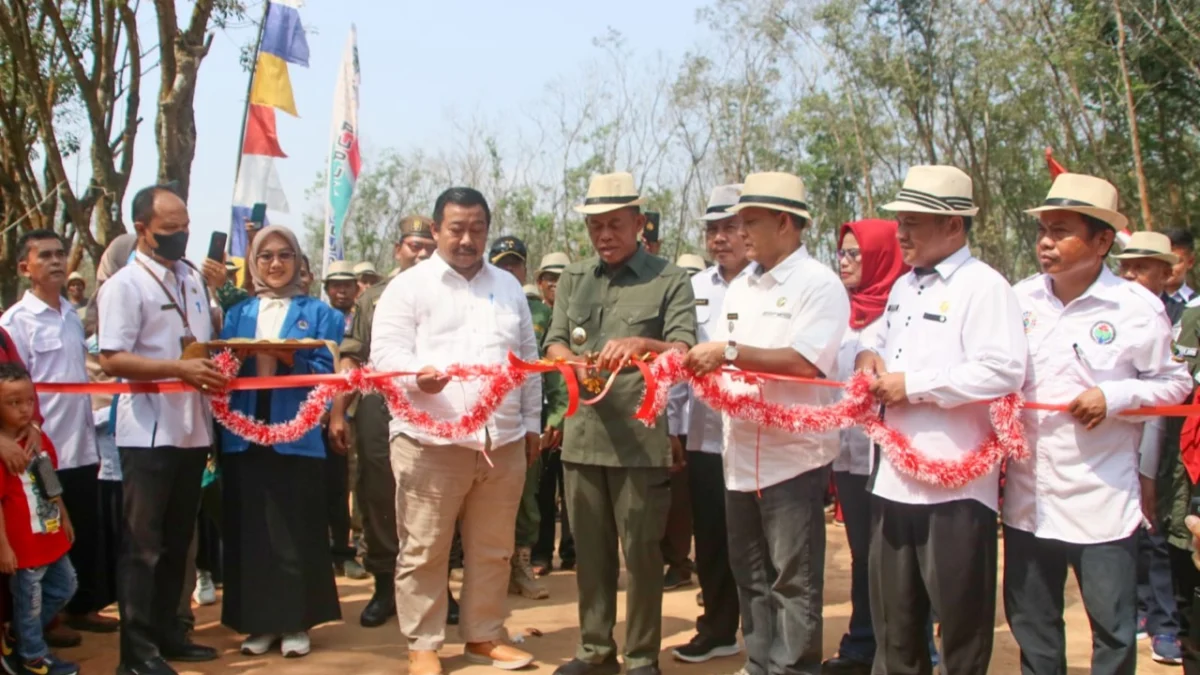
344,158
272,86
283,34
261,137
258,181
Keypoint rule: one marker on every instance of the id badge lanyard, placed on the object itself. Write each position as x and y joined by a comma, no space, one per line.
180,307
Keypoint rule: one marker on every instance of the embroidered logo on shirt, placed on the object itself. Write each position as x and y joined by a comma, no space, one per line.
302,324
701,302
781,302
1030,321
1103,333
944,307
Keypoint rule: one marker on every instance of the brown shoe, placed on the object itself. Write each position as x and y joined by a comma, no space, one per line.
502,656
61,637
424,662
93,623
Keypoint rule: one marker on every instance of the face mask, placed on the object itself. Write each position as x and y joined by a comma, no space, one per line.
171,246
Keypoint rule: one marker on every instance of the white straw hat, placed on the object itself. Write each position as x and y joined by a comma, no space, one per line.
776,191
1088,195
723,198
609,192
944,190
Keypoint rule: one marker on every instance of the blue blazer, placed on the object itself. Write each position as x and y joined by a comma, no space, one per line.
306,318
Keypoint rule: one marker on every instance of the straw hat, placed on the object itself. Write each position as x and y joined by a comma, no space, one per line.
1088,195
775,191
76,276
609,192
365,268
944,190
340,270
1154,245
553,262
722,198
691,262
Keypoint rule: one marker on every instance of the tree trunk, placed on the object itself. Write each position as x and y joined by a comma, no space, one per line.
180,53
1131,112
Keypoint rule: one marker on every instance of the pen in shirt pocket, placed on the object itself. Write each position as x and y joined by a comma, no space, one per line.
1082,359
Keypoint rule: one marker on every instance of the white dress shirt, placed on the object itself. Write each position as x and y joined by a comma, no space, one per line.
800,303
51,342
271,314
1081,486
439,318
855,454
956,335
1184,294
137,316
686,412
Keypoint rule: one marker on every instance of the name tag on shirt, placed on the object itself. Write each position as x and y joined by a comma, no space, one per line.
1185,352
940,318
892,308
701,302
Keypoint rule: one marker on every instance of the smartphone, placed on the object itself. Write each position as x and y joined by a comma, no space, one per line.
216,246
258,214
1194,507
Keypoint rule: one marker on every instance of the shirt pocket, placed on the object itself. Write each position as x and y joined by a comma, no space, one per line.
46,341
508,328
1100,363
581,334
641,321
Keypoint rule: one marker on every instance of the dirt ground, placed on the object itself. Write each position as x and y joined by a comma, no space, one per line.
346,647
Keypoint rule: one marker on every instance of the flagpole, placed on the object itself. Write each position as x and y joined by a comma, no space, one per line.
249,90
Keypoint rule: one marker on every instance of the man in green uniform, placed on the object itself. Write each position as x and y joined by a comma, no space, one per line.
617,306
369,417
509,253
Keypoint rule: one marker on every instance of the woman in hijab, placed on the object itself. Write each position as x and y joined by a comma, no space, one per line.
277,561
870,262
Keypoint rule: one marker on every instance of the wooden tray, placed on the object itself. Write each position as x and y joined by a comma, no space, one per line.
244,346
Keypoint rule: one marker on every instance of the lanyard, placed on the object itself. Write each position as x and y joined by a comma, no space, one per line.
180,309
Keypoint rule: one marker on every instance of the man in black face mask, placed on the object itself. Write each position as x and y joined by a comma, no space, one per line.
150,311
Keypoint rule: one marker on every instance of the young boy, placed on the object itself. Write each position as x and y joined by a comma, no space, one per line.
35,535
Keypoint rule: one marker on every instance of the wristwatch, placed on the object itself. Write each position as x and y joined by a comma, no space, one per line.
731,351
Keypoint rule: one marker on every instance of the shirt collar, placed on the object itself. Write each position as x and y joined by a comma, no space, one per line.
442,268
158,268
950,265
781,271
638,263
37,306
714,273
1105,288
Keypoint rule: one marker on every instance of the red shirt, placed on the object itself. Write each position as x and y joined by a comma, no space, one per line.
33,525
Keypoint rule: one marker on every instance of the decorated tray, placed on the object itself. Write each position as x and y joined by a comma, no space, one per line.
246,346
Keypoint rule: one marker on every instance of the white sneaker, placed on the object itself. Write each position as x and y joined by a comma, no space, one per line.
257,645
295,645
206,591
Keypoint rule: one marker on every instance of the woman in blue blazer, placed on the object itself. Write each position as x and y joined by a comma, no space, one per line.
278,565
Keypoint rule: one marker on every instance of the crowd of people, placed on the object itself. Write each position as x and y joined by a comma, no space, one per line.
140,499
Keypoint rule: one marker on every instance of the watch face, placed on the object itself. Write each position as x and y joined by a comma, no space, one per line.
730,353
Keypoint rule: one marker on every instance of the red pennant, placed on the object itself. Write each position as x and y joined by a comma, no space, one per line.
1055,167
261,137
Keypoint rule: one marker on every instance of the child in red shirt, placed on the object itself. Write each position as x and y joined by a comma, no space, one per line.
35,535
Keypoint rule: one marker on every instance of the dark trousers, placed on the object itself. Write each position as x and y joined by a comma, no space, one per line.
337,501
939,558
677,541
550,493
376,486
1187,579
1155,589
81,496
161,500
779,567
859,641
720,619
1035,571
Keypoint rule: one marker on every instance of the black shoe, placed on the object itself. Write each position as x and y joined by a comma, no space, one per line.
676,579
188,652
651,669
382,605
452,611
567,565
840,665
155,666
702,649
577,667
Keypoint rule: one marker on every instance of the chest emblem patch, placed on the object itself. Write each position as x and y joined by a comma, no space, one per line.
781,302
579,335
302,324
944,307
1103,333
1029,319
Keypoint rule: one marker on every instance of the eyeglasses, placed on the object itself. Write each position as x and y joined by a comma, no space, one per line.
851,253
268,257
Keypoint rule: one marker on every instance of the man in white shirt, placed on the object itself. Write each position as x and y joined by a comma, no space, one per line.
716,629
1104,346
951,342
49,336
455,308
787,317
149,312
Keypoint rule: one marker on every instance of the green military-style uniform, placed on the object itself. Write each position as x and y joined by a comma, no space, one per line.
1174,487
615,468
528,516
375,485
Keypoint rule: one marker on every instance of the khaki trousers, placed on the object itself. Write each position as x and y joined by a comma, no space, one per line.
435,486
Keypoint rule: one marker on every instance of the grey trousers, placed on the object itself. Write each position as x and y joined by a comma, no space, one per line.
777,545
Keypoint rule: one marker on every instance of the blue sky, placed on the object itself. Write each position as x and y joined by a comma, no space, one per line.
420,61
